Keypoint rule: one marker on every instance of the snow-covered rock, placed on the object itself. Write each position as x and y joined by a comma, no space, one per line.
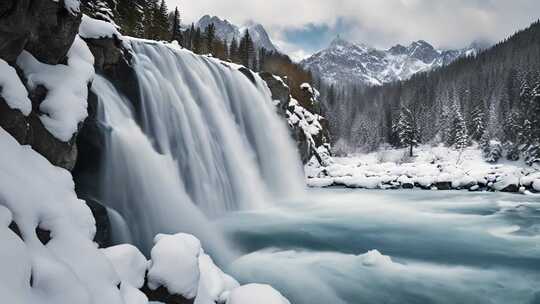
434,168
91,28
175,264
128,262
65,105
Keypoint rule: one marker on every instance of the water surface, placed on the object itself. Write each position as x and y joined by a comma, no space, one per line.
355,246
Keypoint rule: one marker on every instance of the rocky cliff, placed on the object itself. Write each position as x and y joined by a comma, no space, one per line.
307,127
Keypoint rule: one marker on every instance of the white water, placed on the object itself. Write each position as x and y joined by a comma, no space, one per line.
204,140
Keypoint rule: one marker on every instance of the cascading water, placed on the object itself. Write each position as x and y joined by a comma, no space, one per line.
202,140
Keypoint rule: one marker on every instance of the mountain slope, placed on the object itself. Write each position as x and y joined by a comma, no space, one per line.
348,62
227,31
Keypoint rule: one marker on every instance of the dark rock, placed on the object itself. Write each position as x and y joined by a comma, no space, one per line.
14,122
443,185
247,72
103,235
511,188
15,28
279,92
54,30
407,185
43,235
15,228
162,295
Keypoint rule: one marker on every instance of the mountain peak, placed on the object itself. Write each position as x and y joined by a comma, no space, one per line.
345,61
225,30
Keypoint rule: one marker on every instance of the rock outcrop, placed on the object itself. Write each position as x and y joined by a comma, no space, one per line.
46,29
308,129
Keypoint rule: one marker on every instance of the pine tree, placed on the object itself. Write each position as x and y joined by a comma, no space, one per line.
132,17
246,50
407,130
234,51
461,134
197,41
210,36
105,10
176,28
478,122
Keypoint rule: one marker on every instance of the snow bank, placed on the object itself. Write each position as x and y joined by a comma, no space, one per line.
65,105
66,269
12,89
432,168
91,28
256,293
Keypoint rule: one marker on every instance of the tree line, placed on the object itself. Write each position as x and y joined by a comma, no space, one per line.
492,98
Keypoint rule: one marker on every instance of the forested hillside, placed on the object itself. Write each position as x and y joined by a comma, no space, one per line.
492,98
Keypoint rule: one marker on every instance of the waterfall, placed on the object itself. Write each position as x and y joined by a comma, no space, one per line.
201,141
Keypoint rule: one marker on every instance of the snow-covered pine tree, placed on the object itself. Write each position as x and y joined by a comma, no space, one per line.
478,122
493,151
101,9
461,133
407,130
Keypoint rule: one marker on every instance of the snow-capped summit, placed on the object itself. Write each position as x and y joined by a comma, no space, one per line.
345,61
225,30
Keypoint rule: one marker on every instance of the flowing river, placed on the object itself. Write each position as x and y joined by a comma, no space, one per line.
351,246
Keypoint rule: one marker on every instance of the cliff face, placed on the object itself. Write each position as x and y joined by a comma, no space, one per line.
46,30
308,129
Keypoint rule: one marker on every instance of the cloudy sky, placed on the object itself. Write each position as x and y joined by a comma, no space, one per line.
301,27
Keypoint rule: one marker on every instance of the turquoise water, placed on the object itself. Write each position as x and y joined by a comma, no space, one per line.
355,246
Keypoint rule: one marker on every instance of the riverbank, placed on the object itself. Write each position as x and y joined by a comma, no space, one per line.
431,168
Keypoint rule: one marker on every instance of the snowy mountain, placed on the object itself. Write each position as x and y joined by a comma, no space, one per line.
344,61
227,31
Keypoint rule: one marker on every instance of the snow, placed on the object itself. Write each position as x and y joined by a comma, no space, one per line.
214,284
91,28
429,169
536,185
128,262
65,105
13,90
175,264
67,269
256,293
73,6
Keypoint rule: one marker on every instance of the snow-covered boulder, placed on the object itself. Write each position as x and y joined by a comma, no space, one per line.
175,264
128,262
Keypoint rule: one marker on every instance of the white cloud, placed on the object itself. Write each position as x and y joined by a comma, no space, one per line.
445,23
